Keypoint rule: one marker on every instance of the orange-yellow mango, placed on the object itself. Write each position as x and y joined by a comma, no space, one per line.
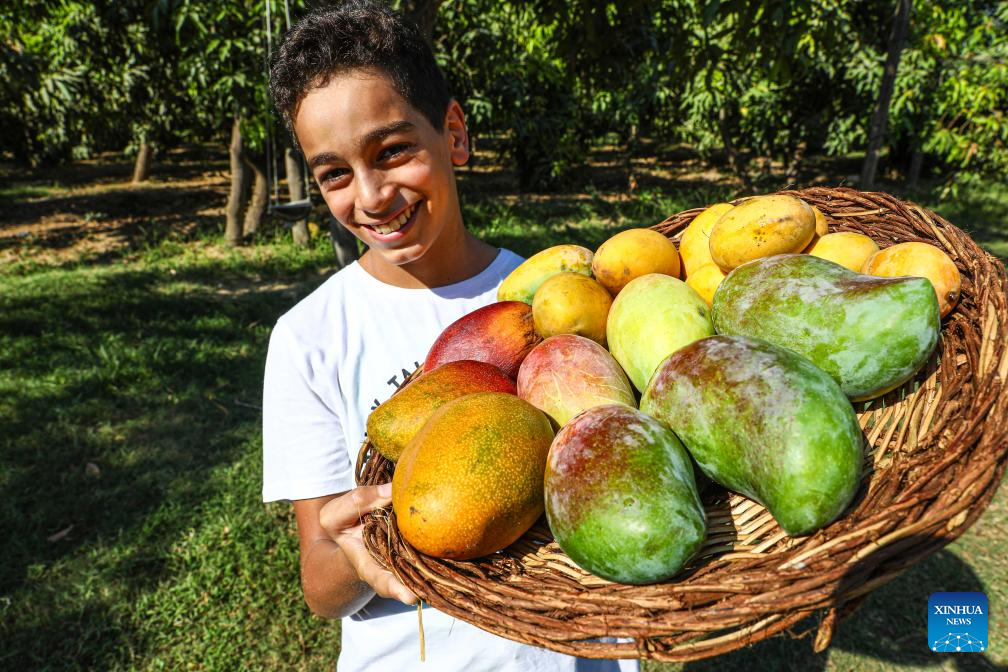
920,260
761,227
471,481
571,303
694,245
705,281
633,253
847,248
821,229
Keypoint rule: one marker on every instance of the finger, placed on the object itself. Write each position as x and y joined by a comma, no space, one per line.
381,580
347,510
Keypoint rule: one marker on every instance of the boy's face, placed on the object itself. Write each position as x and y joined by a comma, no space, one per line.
384,171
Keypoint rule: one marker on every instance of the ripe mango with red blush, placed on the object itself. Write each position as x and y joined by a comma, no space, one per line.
501,334
567,374
621,498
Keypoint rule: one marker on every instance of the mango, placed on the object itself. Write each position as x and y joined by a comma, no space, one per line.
621,499
652,317
567,374
847,248
705,281
761,227
694,244
871,334
471,481
571,303
522,283
500,334
633,253
920,260
392,425
821,229
765,422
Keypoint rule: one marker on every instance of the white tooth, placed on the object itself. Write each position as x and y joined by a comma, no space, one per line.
396,223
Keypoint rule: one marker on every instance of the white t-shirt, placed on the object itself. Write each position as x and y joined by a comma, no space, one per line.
332,359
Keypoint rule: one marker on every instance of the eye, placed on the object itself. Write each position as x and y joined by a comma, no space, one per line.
394,151
332,175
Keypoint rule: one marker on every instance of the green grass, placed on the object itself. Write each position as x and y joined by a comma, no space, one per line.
981,211
588,219
128,399
11,194
129,387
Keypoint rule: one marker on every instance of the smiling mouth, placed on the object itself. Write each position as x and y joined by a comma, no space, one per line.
395,224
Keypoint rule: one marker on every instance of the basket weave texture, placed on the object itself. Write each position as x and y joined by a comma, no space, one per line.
935,452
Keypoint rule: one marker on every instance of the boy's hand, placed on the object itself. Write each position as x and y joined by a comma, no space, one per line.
341,520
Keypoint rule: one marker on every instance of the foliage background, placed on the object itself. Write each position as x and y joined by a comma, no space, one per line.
773,80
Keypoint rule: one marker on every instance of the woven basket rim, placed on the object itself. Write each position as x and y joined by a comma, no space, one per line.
938,447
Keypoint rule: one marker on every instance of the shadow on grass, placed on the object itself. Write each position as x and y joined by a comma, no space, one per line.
128,203
183,163
126,219
119,396
891,626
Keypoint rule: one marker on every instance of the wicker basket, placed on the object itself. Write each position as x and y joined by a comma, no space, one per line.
936,452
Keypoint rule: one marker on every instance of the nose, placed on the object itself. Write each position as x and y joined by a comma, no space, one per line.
374,193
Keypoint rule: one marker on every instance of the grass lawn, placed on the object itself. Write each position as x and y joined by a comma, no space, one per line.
131,352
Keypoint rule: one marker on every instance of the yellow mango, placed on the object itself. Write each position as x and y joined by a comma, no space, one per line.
522,283
633,253
847,248
923,261
761,227
571,303
821,229
705,281
694,245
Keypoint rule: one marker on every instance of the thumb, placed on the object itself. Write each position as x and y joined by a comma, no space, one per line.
346,511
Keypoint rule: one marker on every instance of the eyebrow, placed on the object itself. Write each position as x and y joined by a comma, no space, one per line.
370,137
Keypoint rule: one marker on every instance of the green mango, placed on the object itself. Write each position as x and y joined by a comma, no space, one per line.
652,317
871,334
763,421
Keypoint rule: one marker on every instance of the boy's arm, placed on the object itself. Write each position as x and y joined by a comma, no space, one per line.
338,575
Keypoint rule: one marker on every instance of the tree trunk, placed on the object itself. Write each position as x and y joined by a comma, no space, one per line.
877,131
794,166
239,186
738,163
260,196
296,192
629,150
423,13
142,166
344,243
916,159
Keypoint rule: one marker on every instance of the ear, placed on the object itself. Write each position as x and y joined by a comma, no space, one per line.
457,134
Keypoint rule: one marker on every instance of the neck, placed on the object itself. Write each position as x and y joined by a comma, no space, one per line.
452,260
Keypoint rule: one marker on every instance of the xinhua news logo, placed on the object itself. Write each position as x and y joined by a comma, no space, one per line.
957,622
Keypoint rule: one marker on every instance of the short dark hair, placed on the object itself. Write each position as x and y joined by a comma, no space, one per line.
358,34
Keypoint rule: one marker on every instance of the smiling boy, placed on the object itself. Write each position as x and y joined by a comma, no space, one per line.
373,116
